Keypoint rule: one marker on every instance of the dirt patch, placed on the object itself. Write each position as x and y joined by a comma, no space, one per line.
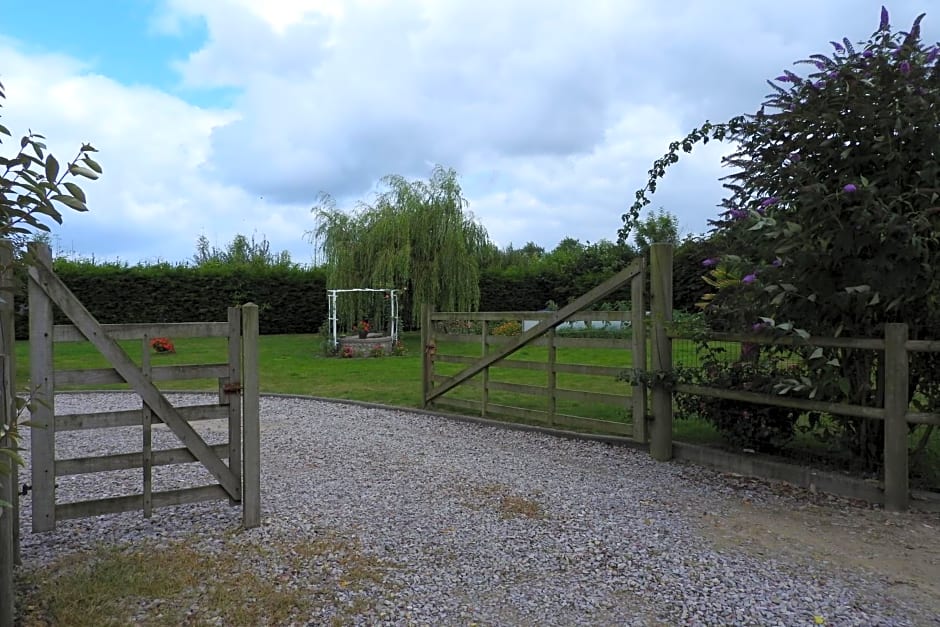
823,531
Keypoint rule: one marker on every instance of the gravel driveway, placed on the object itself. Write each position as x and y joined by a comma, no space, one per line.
473,524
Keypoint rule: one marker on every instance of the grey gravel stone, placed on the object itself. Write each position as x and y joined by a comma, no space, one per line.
479,524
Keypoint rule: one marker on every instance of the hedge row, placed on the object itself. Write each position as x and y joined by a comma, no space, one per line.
290,300
507,291
294,300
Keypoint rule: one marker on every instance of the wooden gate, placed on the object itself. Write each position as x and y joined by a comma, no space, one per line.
238,480
476,374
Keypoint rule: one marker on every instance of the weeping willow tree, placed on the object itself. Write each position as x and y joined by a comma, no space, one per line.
417,235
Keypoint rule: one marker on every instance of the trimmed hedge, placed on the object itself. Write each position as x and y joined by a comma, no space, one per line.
291,300
510,290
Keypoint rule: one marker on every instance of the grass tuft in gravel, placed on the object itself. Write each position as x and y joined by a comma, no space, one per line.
246,583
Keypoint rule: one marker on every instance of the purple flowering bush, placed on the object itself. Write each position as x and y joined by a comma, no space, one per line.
831,223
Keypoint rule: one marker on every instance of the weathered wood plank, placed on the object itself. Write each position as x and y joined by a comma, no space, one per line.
233,397
521,364
923,418
601,371
118,504
603,398
129,461
485,345
661,304
593,342
776,400
587,396
604,426
42,276
189,495
897,365
135,331
638,356
583,316
146,416
251,416
560,341
519,388
552,376
540,416
757,338
427,352
923,346
42,433
591,297
132,417
455,359
104,376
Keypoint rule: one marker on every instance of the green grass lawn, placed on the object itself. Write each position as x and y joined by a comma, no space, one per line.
295,364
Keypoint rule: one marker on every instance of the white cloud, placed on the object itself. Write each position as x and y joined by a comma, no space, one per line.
157,192
552,112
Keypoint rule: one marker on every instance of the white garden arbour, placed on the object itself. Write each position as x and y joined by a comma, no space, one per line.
333,315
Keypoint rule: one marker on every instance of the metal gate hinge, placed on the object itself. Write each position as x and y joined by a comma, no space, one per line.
232,388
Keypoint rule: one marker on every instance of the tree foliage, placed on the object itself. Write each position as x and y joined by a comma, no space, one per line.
240,252
832,221
417,236
34,187
658,227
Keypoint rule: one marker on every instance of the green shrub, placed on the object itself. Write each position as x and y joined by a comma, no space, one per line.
749,425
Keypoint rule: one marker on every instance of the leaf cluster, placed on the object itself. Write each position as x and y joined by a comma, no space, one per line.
33,184
33,188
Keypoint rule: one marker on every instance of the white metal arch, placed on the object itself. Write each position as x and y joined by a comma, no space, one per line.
393,309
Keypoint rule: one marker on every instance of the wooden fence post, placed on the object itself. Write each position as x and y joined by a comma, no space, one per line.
42,433
251,439
661,296
146,419
427,363
895,412
552,376
484,331
638,335
9,518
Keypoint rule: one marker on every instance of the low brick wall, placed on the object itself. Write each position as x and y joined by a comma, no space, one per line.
365,347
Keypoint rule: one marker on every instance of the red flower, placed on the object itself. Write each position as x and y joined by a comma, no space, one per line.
162,345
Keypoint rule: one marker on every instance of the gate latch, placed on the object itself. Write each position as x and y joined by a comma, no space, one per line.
232,388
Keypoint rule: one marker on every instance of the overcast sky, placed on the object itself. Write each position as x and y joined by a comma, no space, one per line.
218,117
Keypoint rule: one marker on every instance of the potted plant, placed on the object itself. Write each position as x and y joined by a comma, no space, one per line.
363,328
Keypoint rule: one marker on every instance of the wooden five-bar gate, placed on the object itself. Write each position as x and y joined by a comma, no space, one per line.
238,480
439,387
